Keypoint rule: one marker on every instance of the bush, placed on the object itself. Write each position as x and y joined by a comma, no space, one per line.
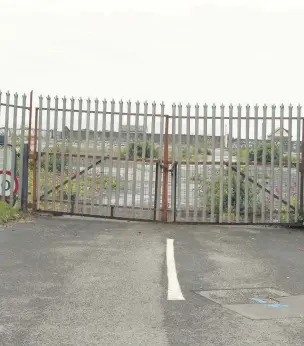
285,160
260,152
234,184
144,150
201,151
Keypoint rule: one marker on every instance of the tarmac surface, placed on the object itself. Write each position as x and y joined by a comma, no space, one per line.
76,281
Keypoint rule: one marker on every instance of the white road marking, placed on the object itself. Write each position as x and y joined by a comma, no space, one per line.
174,290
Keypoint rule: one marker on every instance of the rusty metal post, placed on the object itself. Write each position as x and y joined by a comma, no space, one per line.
302,172
165,172
30,122
35,159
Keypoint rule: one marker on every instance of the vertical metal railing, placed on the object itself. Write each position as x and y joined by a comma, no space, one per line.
180,153
6,131
95,152
134,165
38,160
103,156
63,151
289,157
187,159
255,163
254,178
213,165
222,180
260,182
145,147
163,158
230,218
119,152
272,164
280,187
86,185
54,152
238,158
14,122
78,161
71,193
23,186
151,162
13,157
127,158
263,194
301,192
173,160
71,153
110,157
46,156
164,129
195,192
298,158
247,204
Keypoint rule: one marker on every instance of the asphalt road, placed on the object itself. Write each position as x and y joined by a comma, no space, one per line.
70,281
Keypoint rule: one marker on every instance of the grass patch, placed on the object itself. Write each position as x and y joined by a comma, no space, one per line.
8,213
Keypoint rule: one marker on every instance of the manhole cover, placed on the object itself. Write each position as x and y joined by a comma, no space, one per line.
243,295
258,303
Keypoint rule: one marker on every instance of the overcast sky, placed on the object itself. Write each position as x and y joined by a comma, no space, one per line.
243,51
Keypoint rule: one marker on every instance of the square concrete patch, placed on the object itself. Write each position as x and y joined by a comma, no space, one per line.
293,301
243,295
270,311
258,303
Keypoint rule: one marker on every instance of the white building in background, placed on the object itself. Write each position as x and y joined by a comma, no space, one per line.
278,134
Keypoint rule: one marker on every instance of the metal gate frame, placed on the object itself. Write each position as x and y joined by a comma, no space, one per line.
44,116
180,151
282,158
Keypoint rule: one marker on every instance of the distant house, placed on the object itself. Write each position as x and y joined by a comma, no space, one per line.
278,133
84,134
140,129
281,136
131,129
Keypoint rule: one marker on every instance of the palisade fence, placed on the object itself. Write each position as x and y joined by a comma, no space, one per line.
15,117
209,164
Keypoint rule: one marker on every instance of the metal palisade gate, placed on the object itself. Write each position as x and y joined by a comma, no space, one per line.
237,164
99,158
208,164
15,117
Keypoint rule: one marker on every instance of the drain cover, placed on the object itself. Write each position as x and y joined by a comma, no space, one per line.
243,295
258,303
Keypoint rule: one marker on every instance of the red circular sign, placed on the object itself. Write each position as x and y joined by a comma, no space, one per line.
16,183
